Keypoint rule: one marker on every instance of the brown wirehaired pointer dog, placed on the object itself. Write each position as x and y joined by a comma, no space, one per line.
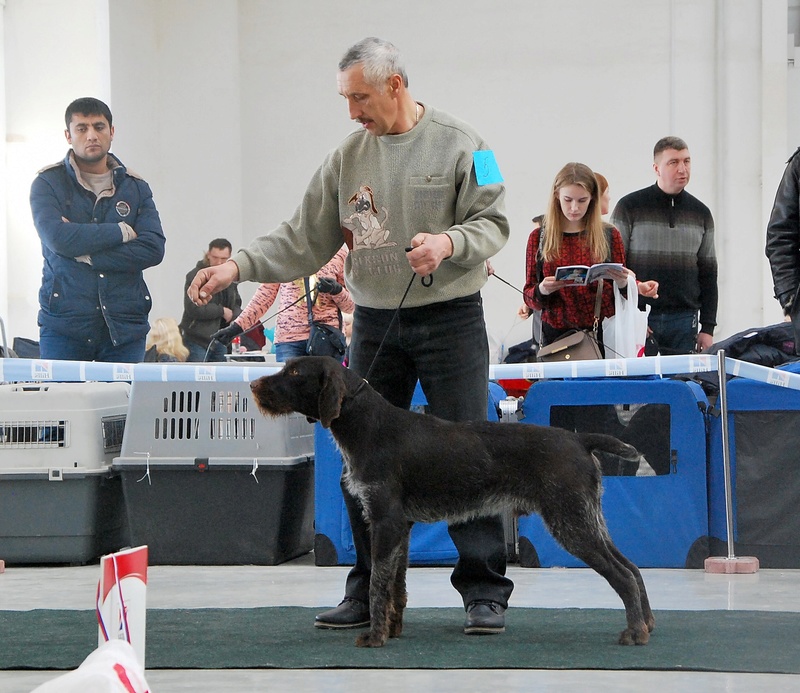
407,467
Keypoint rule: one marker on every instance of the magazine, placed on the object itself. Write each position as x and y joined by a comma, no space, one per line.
580,275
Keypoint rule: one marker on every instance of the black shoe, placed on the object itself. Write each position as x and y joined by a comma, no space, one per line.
484,618
351,613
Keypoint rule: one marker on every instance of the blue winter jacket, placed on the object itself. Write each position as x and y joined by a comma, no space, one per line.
77,298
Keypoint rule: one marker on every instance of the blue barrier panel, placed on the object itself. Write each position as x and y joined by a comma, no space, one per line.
656,521
764,437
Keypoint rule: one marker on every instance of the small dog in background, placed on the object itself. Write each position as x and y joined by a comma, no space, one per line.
406,467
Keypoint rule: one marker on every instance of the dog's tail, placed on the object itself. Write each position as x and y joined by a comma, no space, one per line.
610,444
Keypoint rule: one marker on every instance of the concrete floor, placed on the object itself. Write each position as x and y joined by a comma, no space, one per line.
301,583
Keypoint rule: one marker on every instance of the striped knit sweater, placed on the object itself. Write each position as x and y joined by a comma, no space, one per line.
670,238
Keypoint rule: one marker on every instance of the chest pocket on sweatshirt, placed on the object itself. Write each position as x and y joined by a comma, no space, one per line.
429,192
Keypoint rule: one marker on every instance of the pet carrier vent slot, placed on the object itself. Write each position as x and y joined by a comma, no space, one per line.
177,428
34,434
228,402
232,429
182,402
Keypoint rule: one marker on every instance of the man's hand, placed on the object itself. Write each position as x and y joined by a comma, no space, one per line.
128,232
211,280
648,289
427,252
704,341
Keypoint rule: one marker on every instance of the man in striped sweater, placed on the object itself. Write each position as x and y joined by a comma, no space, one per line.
669,237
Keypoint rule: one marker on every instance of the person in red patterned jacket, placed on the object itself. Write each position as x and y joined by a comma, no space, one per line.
573,233
291,327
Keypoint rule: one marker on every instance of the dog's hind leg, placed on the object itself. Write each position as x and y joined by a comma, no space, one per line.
581,530
398,592
649,618
389,539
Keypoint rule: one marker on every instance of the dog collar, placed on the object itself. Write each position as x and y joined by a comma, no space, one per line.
358,389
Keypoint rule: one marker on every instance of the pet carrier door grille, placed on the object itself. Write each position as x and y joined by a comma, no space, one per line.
34,434
113,431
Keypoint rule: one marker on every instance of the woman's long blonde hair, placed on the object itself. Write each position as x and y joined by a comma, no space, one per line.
165,336
574,174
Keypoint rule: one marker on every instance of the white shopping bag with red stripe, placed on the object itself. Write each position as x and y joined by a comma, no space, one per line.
111,668
122,599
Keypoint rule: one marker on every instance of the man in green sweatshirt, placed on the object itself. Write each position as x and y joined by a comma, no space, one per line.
413,190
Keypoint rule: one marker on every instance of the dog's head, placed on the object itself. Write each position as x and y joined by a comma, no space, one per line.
364,200
310,385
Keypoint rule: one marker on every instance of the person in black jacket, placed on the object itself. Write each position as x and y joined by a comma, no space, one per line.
199,323
783,243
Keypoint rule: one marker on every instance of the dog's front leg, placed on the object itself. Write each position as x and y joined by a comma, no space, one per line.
388,534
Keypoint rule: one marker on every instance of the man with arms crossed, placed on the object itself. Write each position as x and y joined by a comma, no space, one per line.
99,229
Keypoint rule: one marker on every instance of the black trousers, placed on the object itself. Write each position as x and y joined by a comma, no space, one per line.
443,345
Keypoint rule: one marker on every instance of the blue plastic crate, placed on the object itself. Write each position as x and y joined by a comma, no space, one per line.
656,521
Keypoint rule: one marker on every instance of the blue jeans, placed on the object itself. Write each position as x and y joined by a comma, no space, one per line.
676,333
97,347
205,353
444,345
289,350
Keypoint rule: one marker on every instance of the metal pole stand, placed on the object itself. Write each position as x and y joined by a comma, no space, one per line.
510,413
730,563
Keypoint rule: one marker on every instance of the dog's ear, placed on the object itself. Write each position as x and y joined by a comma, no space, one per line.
331,395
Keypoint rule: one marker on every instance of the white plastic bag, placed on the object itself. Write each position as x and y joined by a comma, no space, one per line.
625,332
122,598
111,668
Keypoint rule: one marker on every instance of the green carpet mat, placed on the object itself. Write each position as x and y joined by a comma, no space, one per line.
284,638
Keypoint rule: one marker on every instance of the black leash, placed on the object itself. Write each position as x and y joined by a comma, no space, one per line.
508,283
262,322
394,317
426,281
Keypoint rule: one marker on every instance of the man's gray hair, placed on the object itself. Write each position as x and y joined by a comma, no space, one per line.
379,59
670,142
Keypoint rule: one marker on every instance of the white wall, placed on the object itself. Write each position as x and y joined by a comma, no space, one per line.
228,107
43,73
176,90
3,184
